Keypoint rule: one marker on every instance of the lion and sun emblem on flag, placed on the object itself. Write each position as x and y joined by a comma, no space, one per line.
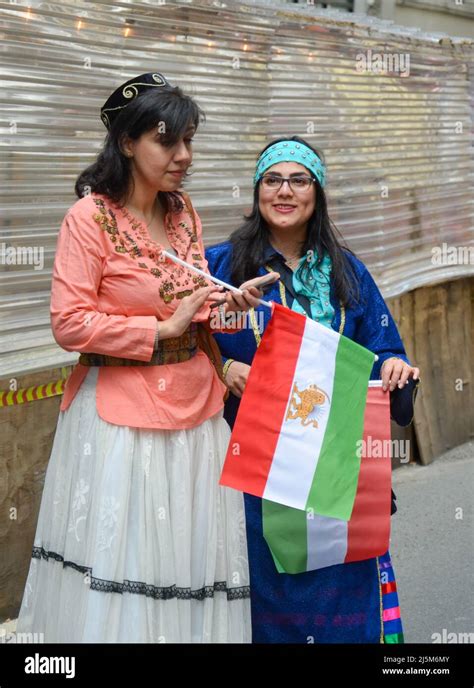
312,402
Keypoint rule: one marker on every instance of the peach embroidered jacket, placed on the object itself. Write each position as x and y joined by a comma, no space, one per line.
110,285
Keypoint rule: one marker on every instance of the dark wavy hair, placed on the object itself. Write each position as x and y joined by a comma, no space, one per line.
248,242
111,173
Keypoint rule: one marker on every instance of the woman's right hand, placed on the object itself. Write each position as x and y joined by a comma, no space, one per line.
175,325
236,377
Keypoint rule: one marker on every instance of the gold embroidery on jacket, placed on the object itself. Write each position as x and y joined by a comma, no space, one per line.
169,290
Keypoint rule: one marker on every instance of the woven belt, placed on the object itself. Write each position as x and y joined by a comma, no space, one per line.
173,350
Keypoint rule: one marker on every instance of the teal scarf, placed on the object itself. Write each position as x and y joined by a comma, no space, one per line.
316,287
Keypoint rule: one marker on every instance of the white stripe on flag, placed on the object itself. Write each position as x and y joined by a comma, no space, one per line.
297,452
326,541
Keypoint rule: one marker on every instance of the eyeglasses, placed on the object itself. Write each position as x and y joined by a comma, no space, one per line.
299,184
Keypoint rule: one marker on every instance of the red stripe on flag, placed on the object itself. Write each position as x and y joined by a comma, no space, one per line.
270,380
369,526
389,587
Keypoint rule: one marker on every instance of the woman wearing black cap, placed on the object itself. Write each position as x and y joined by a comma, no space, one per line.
136,542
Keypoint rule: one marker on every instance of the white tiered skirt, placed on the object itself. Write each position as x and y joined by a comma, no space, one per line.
136,541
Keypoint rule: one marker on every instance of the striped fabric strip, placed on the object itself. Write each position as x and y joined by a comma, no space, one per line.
391,614
392,622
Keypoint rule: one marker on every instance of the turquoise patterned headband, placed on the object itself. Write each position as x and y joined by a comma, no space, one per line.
290,151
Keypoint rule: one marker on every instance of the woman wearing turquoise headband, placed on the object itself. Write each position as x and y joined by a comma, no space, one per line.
289,231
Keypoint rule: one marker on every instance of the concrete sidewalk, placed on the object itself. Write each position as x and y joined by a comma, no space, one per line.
432,547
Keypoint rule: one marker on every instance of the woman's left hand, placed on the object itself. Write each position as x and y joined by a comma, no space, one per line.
396,372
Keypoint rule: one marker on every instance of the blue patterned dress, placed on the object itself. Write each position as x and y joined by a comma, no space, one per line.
347,603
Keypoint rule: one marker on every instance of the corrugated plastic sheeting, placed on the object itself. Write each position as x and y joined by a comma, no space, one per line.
400,175
399,149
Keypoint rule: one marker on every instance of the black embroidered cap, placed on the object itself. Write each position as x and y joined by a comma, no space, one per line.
124,94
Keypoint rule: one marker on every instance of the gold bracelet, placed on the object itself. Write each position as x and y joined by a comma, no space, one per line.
226,366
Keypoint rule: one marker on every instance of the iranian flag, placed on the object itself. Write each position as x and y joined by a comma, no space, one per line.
304,541
300,418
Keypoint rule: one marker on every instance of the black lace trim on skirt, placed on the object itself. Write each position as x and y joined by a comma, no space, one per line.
139,588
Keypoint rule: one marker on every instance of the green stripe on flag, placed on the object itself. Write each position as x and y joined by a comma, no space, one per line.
285,532
394,638
334,484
